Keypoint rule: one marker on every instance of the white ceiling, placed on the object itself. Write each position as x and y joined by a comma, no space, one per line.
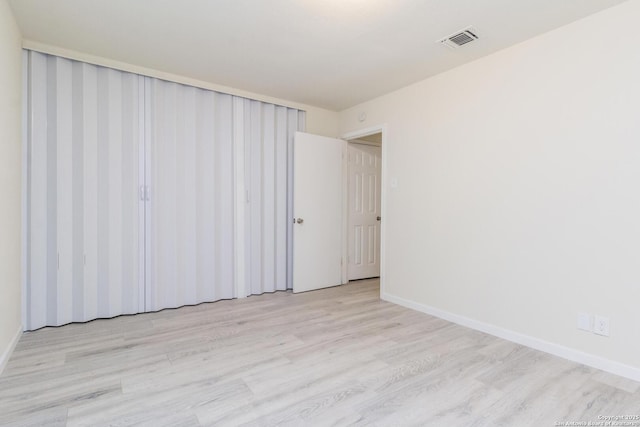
327,53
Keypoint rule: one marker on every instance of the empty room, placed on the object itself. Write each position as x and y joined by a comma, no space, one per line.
319,212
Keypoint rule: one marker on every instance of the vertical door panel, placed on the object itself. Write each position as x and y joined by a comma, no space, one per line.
161,283
205,205
187,220
37,291
131,243
90,190
317,203
280,198
64,181
221,196
114,178
256,170
364,171
268,195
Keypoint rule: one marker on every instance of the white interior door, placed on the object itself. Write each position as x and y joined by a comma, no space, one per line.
364,211
317,210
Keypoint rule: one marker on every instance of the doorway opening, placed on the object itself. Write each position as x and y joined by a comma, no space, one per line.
364,205
364,173
338,222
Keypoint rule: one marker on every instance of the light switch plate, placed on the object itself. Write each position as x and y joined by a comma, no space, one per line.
585,322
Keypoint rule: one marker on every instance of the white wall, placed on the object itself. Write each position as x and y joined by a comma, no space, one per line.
10,180
319,121
518,197
322,122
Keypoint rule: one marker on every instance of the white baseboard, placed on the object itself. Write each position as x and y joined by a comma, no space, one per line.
574,355
4,358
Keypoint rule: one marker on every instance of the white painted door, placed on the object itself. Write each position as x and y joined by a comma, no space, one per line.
317,211
364,211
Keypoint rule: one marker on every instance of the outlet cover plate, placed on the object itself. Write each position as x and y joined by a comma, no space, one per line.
601,325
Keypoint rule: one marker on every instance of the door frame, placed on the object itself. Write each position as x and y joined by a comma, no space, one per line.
381,128
348,202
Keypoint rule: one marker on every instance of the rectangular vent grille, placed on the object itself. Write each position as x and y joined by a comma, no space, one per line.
460,38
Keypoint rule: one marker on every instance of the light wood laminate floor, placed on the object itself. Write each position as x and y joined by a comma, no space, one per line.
338,356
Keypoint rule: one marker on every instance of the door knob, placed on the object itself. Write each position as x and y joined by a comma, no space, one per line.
378,218
299,220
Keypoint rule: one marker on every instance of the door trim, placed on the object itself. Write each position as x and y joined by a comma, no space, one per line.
380,128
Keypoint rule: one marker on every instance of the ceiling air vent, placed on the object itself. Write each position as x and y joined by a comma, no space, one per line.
460,38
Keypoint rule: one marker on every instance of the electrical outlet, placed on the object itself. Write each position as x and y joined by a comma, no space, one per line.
585,322
601,325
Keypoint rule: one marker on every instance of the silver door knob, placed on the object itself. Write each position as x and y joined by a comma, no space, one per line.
299,220
378,218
